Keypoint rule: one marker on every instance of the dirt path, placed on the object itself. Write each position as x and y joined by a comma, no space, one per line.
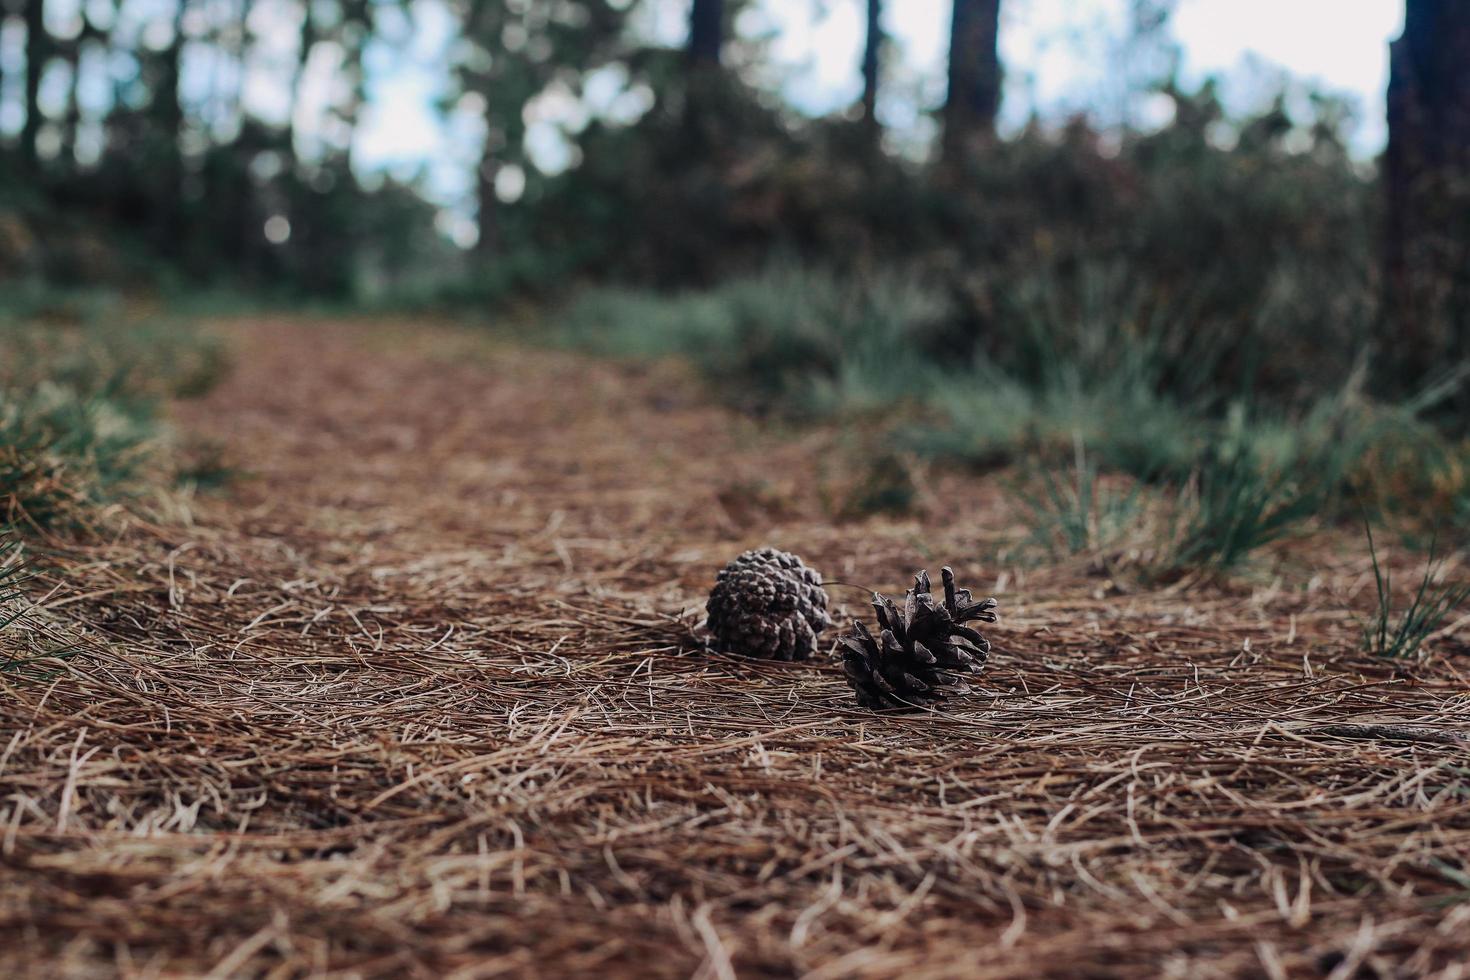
418,697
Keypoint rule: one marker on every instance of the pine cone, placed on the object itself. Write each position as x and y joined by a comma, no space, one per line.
921,655
767,604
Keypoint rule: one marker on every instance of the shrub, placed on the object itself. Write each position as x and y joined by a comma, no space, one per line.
789,340
1096,353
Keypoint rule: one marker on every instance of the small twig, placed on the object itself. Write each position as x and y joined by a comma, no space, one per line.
1396,732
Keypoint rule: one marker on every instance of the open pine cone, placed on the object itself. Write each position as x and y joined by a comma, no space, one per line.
767,604
921,655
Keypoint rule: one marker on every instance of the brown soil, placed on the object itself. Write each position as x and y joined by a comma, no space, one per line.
420,695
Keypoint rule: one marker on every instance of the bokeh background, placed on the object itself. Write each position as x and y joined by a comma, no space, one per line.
470,123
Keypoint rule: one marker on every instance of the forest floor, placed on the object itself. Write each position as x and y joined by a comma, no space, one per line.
419,694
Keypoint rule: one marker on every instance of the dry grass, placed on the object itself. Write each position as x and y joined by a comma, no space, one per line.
420,699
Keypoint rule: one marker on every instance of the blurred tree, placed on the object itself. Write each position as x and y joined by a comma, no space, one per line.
872,57
358,26
1427,178
168,99
165,140
706,31
305,43
974,78
513,52
491,70
706,90
38,50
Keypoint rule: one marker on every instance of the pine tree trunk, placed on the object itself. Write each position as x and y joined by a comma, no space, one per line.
71,121
167,105
706,32
358,13
1427,180
872,57
705,84
974,78
167,117
38,49
488,243
307,42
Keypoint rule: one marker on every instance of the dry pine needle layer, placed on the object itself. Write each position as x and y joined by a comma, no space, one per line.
413,700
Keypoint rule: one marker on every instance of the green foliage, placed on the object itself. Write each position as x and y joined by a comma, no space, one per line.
78,407
34,657
1237,502
1269,238
12,576
1094,358
886,485
1073,512
60,448
786,340
1433,601
1135,292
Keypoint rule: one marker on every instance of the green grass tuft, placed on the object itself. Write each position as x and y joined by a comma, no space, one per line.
78,405
1404,635
12,575
1236,503
786,341
1072,512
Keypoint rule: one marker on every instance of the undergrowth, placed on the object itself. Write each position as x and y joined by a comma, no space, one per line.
1247,450
80,386
13,604
12,574
785,341
1070,510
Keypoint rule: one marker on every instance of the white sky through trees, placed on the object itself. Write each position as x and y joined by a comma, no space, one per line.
1060,55
1057,51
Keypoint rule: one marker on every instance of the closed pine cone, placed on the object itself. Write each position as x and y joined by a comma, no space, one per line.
767,604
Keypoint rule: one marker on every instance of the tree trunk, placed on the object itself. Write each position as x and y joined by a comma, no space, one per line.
233,100
872,55
38,49
706,80
1427,180
706,31
71,122
488,244
166,116
355,38
168,106
974,78
305,45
